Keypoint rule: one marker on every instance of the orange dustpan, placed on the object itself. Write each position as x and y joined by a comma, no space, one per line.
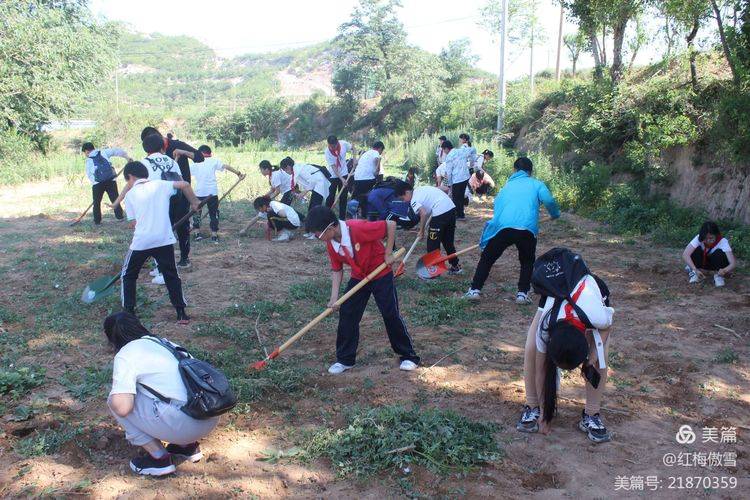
433,264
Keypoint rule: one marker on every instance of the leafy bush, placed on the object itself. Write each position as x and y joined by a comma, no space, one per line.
46,442
389,437
261,119
17,381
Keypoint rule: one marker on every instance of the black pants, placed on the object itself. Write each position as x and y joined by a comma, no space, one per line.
164,257
98,190
315,200
347,337
458,194
483,189
178,208
442,230
714,261
336,186
277,222
288,198
361,190
525,242
213,213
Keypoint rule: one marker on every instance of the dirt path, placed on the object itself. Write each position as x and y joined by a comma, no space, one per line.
670,365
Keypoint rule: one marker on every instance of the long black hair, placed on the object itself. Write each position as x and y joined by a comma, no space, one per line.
708,227
567,348
266,165
286,162
465,137
123,327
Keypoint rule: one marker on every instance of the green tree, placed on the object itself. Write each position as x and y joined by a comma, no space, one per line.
576,44
457,60
52,54
688,16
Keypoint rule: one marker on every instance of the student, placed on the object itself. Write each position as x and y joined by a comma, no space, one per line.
207,187
564,342
335,155
440,179
383,204
480,161
147,203
281,217
439,154
102,176
365,175
170,145
480,183
708,252
515,222
429,201
280,182
147,420
456,176
412,177
358,244
309,179
163,167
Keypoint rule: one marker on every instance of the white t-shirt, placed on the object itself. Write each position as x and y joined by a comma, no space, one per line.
456,166
158,163
147,203
432,199
107,153
310,178
204,174
331,159
479,163
146,362
722,245
592,303
283,210
440,172
281,180
367,167
440,155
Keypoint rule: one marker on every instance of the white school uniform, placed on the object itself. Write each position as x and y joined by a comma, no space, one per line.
282,181
722,245
157,163
143,361
310,178
456,166
433,200
367,167
147,203
590,301
331,160
204,174
283,210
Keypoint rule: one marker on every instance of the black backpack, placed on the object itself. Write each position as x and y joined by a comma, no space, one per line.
323,170
555,274
103,170
208,391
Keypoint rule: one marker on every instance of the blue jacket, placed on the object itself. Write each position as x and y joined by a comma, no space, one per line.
517,206
378,200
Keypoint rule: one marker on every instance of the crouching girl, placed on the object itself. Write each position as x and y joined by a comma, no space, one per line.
708,252
142,369
564,342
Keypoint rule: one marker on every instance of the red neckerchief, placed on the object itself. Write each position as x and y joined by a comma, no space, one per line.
569,317
707,248
166,143
336,152
292,176
269,177
206,155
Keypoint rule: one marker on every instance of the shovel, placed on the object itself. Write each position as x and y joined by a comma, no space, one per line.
401,266
432,264
103,287
320,317
92,204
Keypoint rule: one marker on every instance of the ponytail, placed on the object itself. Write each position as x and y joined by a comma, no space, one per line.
266,165
466,137
549,405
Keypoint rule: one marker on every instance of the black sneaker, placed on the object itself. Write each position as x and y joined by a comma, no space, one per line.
147,465
529,421
198,237
184,263
593,426
182,317
215,240
189,452
455,270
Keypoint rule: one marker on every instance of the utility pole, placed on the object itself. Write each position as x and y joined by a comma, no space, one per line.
559,42
501,76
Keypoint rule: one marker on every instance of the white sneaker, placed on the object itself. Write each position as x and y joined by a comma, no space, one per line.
309,236
719,281
523,298
158,279
284,235
694,278
154,272
408,365
473,294
338,369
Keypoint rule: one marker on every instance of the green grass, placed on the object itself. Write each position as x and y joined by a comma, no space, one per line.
18,381
388,438
46,442
726,356
442,311
87,383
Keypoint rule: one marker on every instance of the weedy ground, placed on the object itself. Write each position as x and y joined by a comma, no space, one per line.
678,356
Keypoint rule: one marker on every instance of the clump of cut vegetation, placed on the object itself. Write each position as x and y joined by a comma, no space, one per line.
16,381
390,437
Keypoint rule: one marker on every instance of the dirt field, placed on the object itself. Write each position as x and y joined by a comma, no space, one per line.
678,356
